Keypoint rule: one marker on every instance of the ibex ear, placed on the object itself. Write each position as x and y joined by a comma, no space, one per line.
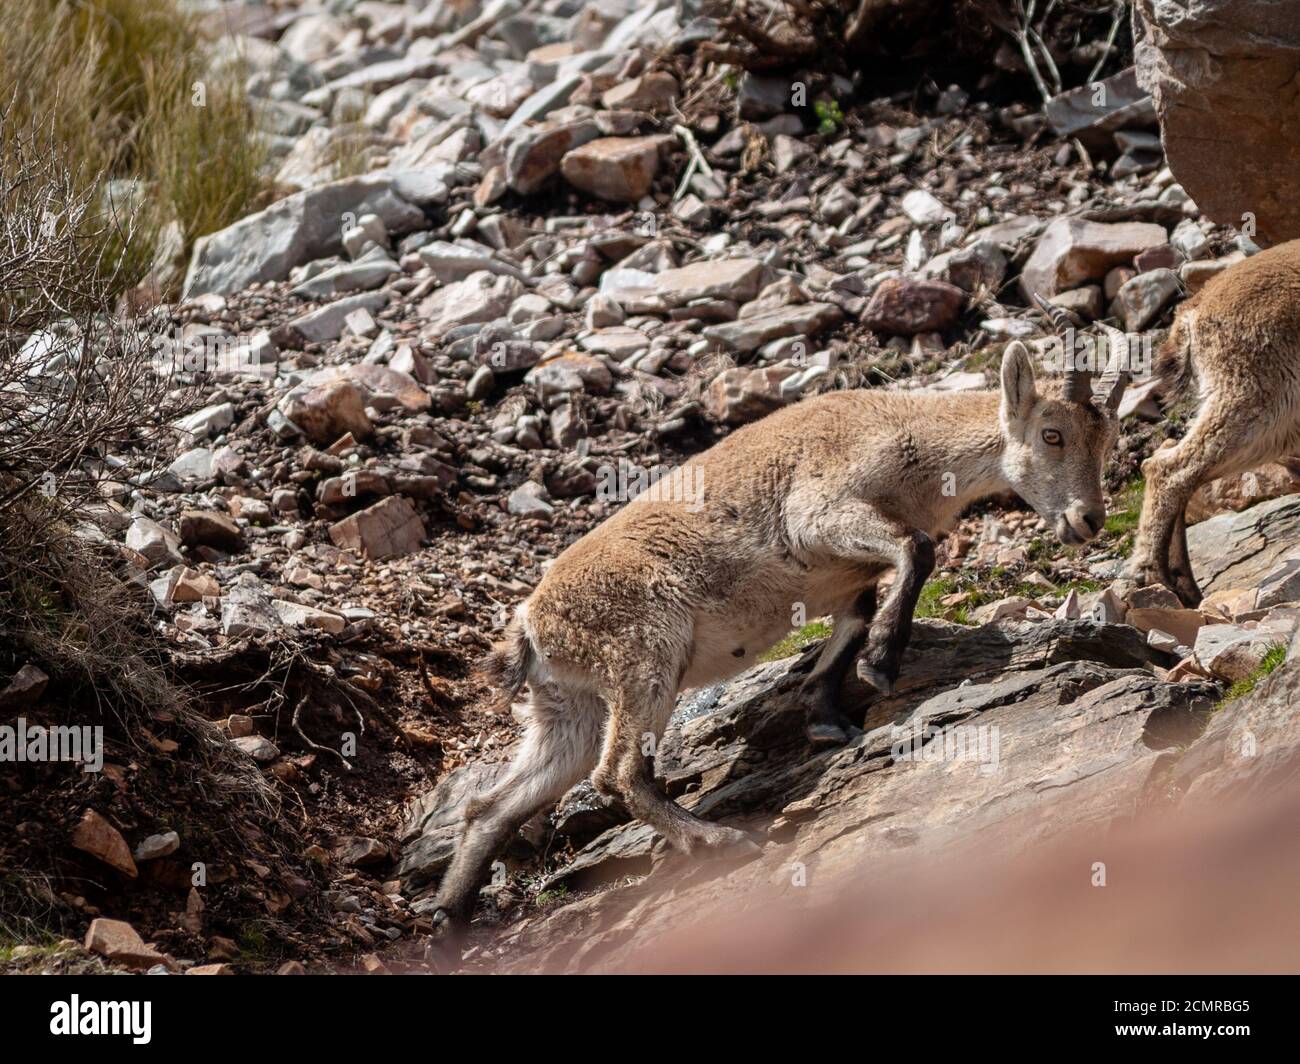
1018,392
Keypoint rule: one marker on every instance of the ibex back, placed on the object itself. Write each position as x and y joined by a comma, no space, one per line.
801,513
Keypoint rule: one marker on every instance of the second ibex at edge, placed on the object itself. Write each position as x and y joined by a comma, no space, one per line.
1239,337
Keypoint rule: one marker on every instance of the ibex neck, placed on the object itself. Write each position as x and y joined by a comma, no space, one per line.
975,448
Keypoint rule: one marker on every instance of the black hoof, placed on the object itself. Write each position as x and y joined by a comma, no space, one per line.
443,949
828,734
876,678
823,735
729,844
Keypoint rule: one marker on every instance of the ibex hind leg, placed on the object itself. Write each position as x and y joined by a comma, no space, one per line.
560,747
1180,566
1212,448
639,711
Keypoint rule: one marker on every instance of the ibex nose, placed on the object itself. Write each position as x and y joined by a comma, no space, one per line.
1078,525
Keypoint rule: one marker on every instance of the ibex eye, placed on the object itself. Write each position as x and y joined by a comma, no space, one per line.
1051,436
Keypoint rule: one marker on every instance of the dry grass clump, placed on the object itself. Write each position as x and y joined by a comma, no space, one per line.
126,91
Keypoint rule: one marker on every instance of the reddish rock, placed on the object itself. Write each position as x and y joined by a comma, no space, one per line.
96,836
905,306
388,529
621,169
117,940
363,483
329,411
1222,74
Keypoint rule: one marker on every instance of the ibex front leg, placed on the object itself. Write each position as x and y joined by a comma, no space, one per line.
826,725
861,533
913,561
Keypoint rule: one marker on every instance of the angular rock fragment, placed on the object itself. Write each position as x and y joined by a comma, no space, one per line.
621,169
388,529
118,941
328,411
1072,251
96,836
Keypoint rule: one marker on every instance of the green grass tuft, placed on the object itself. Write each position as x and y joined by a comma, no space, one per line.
796,642
1126,509
1272,659
548,899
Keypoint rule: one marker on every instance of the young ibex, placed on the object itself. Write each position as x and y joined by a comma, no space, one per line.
802,512
1239,336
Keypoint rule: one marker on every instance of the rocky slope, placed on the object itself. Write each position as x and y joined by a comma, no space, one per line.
521,259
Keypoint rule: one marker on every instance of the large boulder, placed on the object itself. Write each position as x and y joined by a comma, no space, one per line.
1223,73
300,228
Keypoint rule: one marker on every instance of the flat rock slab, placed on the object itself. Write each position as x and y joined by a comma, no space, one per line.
300,228
1237,550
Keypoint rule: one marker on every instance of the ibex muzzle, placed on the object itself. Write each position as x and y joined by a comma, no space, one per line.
801,514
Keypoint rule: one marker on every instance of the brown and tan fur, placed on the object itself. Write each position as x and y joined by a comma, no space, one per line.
803,510
1239,336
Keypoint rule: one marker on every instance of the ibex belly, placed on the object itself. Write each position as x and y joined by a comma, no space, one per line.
775,599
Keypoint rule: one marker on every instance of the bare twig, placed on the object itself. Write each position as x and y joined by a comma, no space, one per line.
697,160
1120,7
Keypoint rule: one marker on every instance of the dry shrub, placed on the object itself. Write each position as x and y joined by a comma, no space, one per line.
77,382
79,388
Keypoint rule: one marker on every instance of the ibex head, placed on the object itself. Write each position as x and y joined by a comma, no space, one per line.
1056,443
